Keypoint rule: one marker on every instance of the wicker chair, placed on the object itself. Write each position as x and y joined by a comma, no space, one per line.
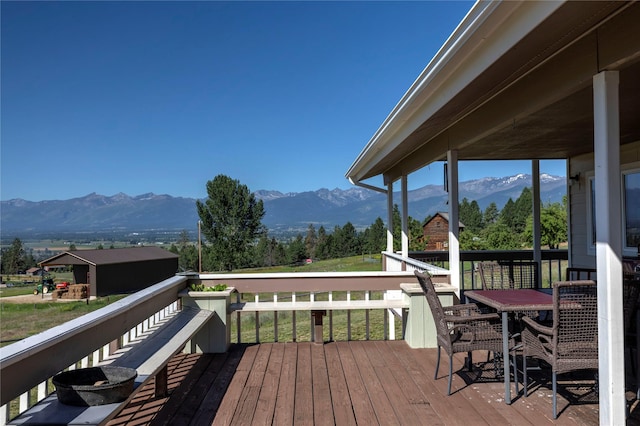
571,342
460,328
512,275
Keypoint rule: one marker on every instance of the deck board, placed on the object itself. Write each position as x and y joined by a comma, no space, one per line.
286,392
346,383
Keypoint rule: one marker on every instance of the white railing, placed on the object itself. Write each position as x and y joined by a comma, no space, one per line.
395,262
277,314
27,366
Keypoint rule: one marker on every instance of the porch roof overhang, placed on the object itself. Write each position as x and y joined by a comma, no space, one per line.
513,81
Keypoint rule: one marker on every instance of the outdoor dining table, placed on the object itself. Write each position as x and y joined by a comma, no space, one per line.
506,302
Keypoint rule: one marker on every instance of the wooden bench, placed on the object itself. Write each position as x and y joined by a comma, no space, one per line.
319,308
148,356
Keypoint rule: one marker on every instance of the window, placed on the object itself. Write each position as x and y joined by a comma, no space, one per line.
630,212
631,209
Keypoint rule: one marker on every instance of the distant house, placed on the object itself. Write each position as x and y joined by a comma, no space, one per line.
35,271
436,232
117,271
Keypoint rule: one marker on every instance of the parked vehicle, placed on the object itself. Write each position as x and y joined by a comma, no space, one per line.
64,285
45,286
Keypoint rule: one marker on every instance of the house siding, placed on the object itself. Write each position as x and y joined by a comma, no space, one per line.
582,252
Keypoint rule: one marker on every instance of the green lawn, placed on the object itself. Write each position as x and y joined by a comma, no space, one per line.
18,321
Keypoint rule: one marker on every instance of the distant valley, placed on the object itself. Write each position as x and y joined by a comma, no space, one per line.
286,213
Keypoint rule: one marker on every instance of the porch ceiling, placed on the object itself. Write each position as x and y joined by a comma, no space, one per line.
533,102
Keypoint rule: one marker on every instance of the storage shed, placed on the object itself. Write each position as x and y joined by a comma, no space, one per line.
117,271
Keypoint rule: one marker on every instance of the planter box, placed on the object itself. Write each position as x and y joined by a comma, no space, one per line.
215,336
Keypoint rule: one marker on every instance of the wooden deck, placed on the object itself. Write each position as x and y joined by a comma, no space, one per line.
348,383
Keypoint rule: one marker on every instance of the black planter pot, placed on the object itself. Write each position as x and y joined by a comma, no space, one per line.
94,385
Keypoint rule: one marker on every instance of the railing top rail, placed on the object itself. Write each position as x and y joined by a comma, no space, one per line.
483,255
306,275
311,281
418,264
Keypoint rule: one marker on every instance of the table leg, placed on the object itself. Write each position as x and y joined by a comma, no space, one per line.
505,357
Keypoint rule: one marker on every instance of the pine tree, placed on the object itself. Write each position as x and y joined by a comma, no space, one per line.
231,221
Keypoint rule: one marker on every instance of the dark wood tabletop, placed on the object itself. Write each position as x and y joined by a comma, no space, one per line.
513,300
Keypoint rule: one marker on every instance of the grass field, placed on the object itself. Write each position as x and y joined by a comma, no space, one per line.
20,320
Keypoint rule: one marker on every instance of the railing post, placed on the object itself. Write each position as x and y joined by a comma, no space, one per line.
318,336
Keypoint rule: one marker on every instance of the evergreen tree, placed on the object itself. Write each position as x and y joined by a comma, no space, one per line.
187,253
377,237
417,240
507,214
491,214
263,253
523,209
322,247
470,215
397,228
231,221
14,258
296,251
350,243
310,241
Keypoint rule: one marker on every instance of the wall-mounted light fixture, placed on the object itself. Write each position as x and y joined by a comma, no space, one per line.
574,179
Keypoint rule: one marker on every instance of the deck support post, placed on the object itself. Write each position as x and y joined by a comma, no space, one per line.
318,337
162,386
608,202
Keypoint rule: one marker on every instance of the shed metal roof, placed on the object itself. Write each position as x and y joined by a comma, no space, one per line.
109,256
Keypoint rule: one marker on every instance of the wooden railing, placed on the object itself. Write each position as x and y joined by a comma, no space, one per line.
299,306
27,366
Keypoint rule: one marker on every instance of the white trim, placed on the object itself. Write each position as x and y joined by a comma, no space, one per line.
625,169
590,184
454,220
633,168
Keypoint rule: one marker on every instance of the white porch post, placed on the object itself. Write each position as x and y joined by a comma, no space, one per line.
405,217
537,249
606,123
454,221
390,217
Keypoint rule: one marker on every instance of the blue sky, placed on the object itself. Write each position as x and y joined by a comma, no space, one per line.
161,97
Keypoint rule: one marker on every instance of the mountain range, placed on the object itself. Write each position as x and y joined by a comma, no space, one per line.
285,213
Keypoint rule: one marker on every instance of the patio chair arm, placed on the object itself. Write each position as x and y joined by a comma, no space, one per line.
539,328
457,319
462,309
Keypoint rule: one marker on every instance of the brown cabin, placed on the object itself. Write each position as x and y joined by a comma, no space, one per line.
436,232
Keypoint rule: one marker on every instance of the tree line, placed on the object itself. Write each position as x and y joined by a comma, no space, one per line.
235,237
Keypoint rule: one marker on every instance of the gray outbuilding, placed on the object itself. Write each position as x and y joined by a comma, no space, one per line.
117,271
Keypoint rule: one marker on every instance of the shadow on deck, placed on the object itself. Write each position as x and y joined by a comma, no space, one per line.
373,382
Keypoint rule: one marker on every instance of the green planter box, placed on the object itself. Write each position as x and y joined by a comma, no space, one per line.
215,336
